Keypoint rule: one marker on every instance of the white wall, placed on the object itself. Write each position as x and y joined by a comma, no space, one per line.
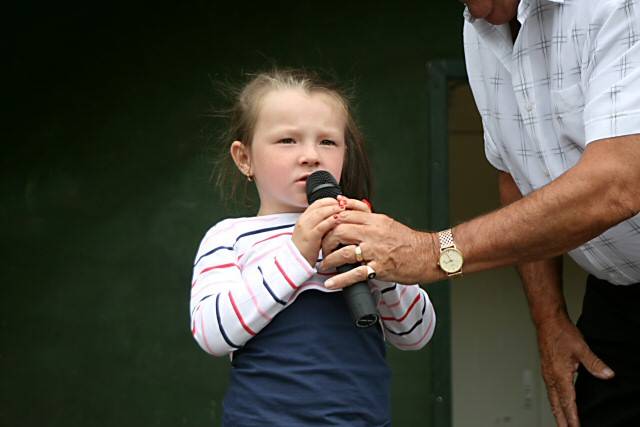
495,366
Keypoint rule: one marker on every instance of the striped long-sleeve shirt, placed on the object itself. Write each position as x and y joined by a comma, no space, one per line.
247,270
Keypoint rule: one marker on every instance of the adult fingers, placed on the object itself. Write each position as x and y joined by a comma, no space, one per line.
567,398
346,234
358,274
556,409
342,256
366,224
594,364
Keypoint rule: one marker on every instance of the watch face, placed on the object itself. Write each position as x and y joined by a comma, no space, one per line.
451,260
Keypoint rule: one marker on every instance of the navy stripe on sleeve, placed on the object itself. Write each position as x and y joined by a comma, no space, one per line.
273,295
198,304
405,332
424,307
224,334
390,288
229,248
262,230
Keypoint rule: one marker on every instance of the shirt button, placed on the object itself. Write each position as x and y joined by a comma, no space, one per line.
529,107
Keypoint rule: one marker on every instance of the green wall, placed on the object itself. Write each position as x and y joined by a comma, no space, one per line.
106,187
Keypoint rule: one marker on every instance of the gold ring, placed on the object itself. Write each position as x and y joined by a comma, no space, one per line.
371,273
358,251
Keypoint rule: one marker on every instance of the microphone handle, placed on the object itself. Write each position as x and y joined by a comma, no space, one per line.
359,300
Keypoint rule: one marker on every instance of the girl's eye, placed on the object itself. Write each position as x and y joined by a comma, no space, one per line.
328,142
287,141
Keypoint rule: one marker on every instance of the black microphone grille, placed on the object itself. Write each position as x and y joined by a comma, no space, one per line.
321,184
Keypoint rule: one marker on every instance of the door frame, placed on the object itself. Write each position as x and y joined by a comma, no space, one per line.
439,74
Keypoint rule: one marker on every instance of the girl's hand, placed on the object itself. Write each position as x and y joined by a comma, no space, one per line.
354,205
318,219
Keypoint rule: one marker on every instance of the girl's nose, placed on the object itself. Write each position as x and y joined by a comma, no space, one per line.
309,155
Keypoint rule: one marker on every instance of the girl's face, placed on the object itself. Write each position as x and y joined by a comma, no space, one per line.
296,133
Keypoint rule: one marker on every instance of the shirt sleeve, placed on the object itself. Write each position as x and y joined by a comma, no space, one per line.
230,305
492,153
407,314
612,79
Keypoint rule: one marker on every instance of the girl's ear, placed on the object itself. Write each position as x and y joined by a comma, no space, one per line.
242,158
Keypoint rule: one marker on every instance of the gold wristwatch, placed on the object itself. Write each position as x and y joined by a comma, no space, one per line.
451,258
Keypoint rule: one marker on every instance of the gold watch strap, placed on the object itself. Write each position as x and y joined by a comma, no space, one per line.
446,239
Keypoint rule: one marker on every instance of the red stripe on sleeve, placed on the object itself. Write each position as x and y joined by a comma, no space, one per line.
231,264
413,304
273,237
213,268
289,281
235,308
204,335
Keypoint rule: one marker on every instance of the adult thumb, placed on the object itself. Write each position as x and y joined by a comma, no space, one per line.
595,365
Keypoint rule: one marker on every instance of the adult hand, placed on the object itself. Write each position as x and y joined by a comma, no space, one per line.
562,350
394,251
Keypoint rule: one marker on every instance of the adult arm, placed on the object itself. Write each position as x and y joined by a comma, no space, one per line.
562,347
600,191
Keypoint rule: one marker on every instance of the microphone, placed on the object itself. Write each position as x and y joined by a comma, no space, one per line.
321,184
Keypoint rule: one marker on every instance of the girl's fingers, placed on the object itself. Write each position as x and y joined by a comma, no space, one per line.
357,217
344,202
324,226
353,204
316,214
342,210
326,201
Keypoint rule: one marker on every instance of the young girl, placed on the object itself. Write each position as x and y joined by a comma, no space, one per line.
297,358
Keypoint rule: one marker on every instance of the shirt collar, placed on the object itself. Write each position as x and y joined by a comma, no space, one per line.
525,7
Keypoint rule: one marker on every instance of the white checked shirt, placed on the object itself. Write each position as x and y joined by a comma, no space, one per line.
571,77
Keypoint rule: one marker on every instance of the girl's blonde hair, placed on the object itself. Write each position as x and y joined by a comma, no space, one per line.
243,115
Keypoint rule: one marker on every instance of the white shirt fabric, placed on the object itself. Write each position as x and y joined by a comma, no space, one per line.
571,77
